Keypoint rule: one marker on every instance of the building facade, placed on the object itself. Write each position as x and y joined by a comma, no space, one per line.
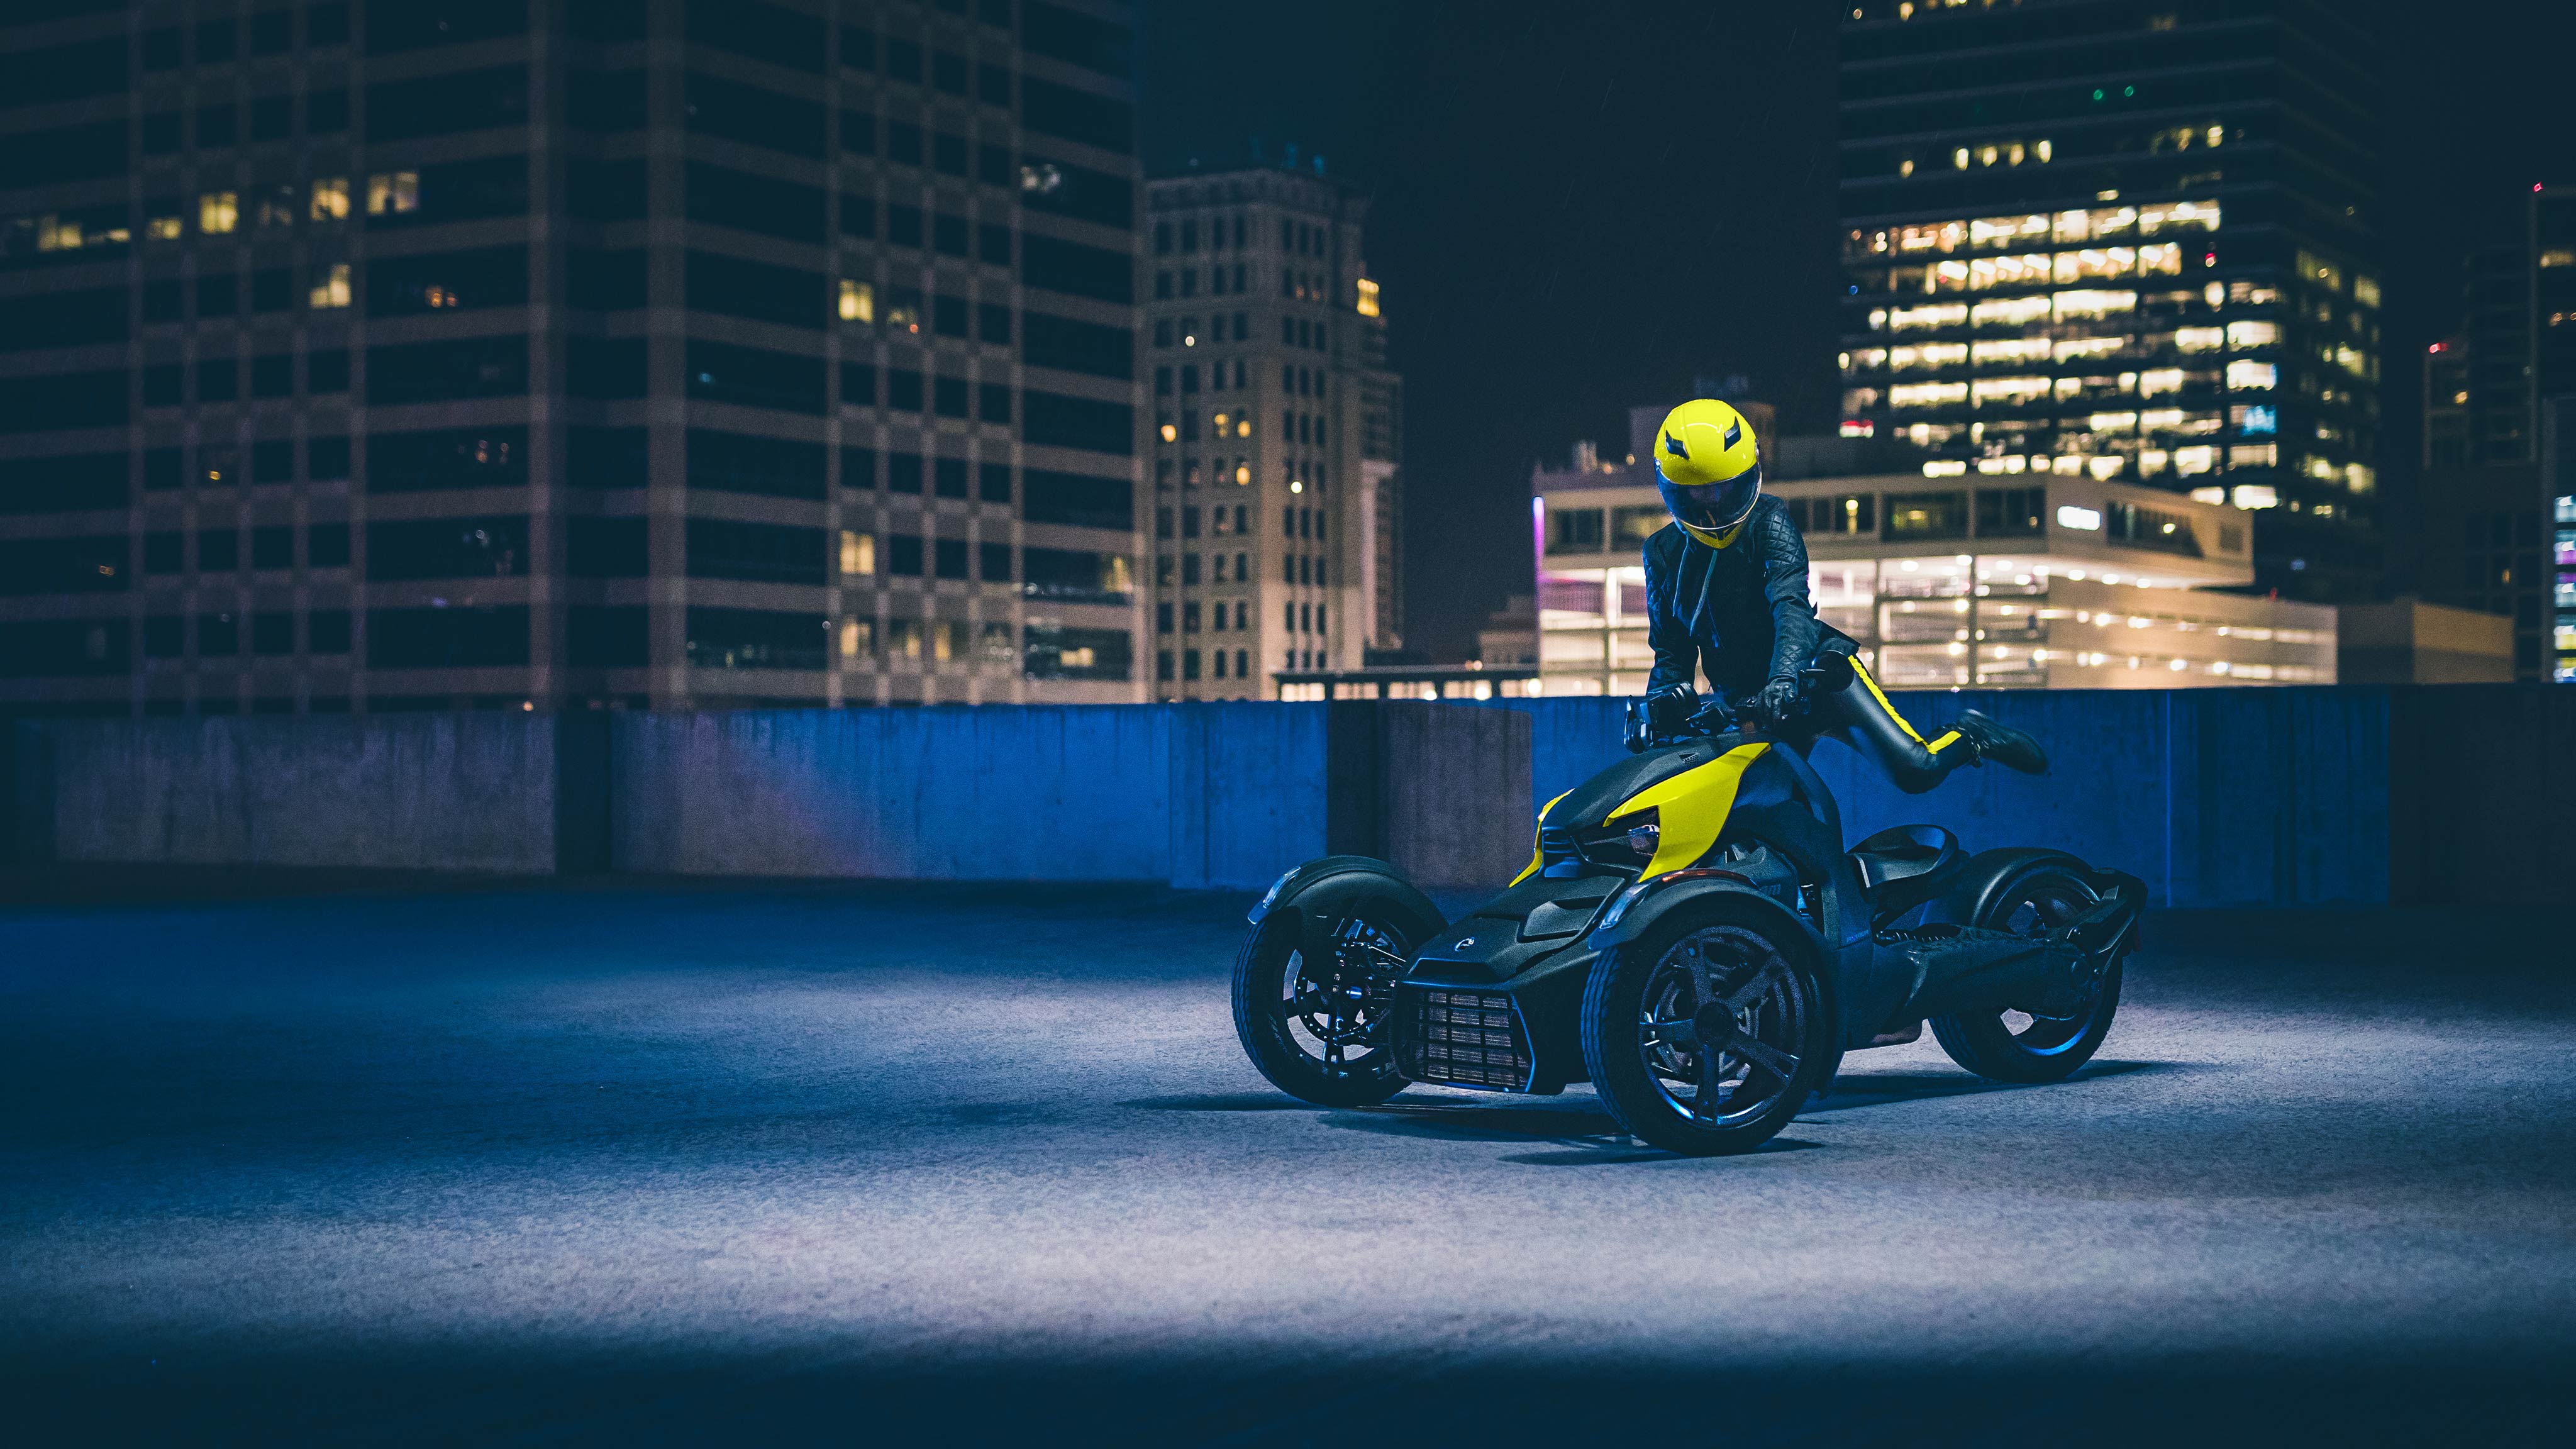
2123,240
2040,582
550,353
1276,428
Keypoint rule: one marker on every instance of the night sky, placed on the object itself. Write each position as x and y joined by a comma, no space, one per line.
1582,206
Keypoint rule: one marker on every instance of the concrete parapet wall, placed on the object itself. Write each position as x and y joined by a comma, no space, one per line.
414,792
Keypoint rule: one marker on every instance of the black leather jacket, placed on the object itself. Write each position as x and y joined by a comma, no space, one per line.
1739,613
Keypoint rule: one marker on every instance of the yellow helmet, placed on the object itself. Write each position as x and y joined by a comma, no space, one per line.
1710,467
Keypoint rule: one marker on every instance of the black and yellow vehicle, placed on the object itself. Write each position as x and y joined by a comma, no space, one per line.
1692,937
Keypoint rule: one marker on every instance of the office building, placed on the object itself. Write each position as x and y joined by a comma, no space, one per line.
550,353
2126,241
1277,498
2037,582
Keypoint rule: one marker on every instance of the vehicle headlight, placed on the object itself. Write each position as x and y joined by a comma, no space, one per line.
1627,840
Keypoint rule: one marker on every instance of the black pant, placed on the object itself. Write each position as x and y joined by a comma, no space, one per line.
1860,716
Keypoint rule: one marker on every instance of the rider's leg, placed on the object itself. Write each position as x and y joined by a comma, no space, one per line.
1860,716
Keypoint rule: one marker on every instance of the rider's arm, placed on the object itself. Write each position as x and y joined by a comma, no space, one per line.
1794,631
1676,652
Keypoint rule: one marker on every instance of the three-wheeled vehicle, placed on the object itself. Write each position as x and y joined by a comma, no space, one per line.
1691,937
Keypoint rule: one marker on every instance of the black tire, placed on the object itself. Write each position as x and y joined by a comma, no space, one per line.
1270,964
1637,1058
2017,1045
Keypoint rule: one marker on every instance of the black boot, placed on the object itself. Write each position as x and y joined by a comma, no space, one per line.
2001,743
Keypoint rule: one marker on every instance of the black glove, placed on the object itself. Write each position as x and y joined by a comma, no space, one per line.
1781,700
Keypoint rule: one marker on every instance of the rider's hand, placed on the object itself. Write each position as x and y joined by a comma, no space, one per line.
1780,699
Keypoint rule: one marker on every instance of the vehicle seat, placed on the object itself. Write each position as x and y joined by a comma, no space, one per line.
1905,865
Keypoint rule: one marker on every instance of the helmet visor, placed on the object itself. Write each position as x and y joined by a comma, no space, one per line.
1714,505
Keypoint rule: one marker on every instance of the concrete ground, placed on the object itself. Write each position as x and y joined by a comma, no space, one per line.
632,1164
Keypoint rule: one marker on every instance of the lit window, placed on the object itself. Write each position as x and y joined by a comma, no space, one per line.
1928,394
2365,290
1990,391
2253,334
390,192
276,207
1368,298
2360,477
1242,473
1986,156
1959,158
2200,339
2095,304
2011,312
1905,167
218,212
2157,381
2209,495
858,554
2041,150
2188,461
2074,348
2253,455
1944,315
331,199
162,228
2245,376
858,301
333,289
2161,259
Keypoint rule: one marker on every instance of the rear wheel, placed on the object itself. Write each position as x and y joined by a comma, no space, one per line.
1708,1033
1319,1025
2046,1039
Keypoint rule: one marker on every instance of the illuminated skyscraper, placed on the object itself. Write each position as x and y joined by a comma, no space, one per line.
2124,240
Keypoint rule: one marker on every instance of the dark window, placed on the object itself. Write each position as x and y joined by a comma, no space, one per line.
1053,652
754,377
606,548
66,153
1074,576
437,282
948,477
756,639
1055,420
903,390
1075,269
162,385
326,631
948,235
218,550
758,290
326,458
165,300
903,554
64,484
67,319
993,402
608,637
993,85
903,142
326,113
441,105
948,559
60,647
604,101
993,323
903,473
604,281
272,633
858,384
272,289
163,468
764,32
742,463
948,316
218,380
754,117
165,636
446,458
160,134
993,563
611,190
993,244
218,635
771,553
903,225
755,203
1079,499
1076,115
948,72
272,546
272,460
92,565
903,60
397,25
464,191
162,50
858,47
2145,528
858,468
859,132
272,117
1063,343
450,638
218,294
606,457
858,215
467,367
993,482
490,547
2010,512
217,126
326,546
327,371
605,367
1927,515
1068,35
327,23
272,32
948,155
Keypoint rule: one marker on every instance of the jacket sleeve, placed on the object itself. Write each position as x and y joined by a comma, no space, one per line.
1676,652
1794,629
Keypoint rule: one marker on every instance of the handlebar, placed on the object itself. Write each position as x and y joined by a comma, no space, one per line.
1678,712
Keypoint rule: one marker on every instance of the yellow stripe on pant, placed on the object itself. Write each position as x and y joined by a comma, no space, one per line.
1936,746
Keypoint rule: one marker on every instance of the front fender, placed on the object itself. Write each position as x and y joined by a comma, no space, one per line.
1640,906
1336,886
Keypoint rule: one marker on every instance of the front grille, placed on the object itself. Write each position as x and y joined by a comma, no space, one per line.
1468,1038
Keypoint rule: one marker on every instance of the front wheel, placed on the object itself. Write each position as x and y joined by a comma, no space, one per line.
2046,1039
1318,1025
1708,1033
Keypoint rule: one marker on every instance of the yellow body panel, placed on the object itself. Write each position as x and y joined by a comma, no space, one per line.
1535,850
1691,808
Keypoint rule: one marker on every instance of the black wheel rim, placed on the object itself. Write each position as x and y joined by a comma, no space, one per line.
1334,1007
2051,1027
1720,1030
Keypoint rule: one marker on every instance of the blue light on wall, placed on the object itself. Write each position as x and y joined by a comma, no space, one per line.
2261,420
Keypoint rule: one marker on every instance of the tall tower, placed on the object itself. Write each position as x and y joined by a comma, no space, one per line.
547,353
2127,240
1276,427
